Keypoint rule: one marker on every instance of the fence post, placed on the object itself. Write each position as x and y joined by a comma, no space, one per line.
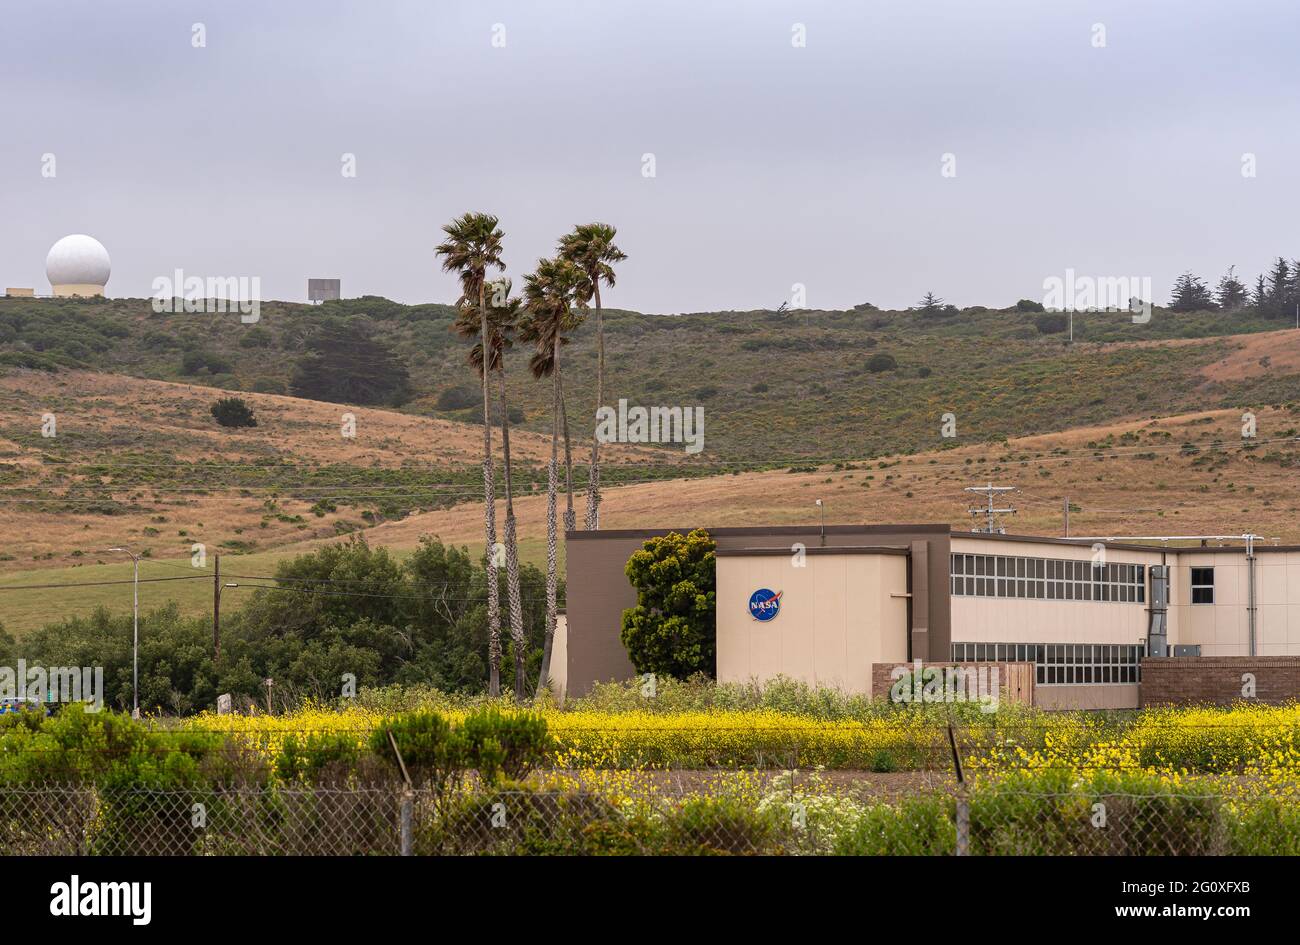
963,825
408,796
963,800
407,804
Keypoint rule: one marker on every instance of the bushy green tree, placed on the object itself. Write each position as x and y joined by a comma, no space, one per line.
347,364
879,363
344,609
1191,294
233,412
671,629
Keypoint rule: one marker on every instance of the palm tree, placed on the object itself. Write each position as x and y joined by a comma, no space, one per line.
472,247
549,294
503,316
591,248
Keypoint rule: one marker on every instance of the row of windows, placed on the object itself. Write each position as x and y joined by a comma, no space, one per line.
1047,579
1062,664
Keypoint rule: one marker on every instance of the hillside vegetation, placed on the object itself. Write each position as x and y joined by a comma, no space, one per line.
775,386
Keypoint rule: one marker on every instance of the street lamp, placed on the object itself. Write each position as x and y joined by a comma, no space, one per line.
822,510
216,617
135,632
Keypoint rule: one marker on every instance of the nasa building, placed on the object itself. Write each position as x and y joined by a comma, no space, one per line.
1103,624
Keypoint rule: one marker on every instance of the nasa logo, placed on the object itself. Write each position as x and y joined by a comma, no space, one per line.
764,604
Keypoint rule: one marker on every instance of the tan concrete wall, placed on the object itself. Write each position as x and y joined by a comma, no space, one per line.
1103,696
1221,628
20,293
839,614
78,290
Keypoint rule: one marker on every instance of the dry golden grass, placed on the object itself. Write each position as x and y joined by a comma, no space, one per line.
113,419
1117,490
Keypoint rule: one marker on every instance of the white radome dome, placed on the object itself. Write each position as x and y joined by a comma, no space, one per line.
78,260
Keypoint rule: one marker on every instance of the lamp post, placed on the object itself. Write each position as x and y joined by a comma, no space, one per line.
135,632
821,509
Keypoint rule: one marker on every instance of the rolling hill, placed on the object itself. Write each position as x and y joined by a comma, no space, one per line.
1139,425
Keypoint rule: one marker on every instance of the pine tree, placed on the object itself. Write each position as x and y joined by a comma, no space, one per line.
1230,293
930,303
1279,287
1259,298
1191,294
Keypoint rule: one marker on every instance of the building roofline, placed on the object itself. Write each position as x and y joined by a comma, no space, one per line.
904,528
1125,546
817,550
756,530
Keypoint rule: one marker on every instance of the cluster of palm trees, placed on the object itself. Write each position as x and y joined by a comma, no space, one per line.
555,301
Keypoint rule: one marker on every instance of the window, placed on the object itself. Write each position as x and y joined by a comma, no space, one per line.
1062,664
1020,578
1202,585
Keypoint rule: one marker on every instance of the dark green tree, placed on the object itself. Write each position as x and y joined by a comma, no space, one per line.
346,364
233,412
1230,293
671,629
1191,294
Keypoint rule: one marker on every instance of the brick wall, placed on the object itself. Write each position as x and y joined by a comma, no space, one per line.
1217,680
1016,680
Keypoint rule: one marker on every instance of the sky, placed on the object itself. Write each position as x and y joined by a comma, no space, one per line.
1107,137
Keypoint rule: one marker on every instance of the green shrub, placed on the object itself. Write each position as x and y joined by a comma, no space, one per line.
499,746
719,824
1052,323
522,822
458,398
916,826
319,757
505,745
233,412
879,363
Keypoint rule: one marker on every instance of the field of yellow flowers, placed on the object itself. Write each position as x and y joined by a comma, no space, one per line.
1259,744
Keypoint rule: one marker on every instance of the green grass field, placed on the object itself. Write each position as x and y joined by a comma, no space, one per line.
32,603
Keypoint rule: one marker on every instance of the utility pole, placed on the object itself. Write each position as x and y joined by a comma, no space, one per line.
989,511
216,608
1067,516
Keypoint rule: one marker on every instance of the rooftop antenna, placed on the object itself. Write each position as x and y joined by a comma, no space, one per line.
991,526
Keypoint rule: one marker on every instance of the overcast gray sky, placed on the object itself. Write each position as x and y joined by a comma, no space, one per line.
775,164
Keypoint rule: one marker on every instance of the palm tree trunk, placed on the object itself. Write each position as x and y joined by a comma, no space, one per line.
490,514
570,517
592,522
512,549
552,484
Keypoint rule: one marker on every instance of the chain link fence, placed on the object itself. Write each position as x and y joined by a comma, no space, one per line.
396,820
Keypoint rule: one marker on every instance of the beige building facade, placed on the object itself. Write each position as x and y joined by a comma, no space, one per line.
1083,613
839,610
